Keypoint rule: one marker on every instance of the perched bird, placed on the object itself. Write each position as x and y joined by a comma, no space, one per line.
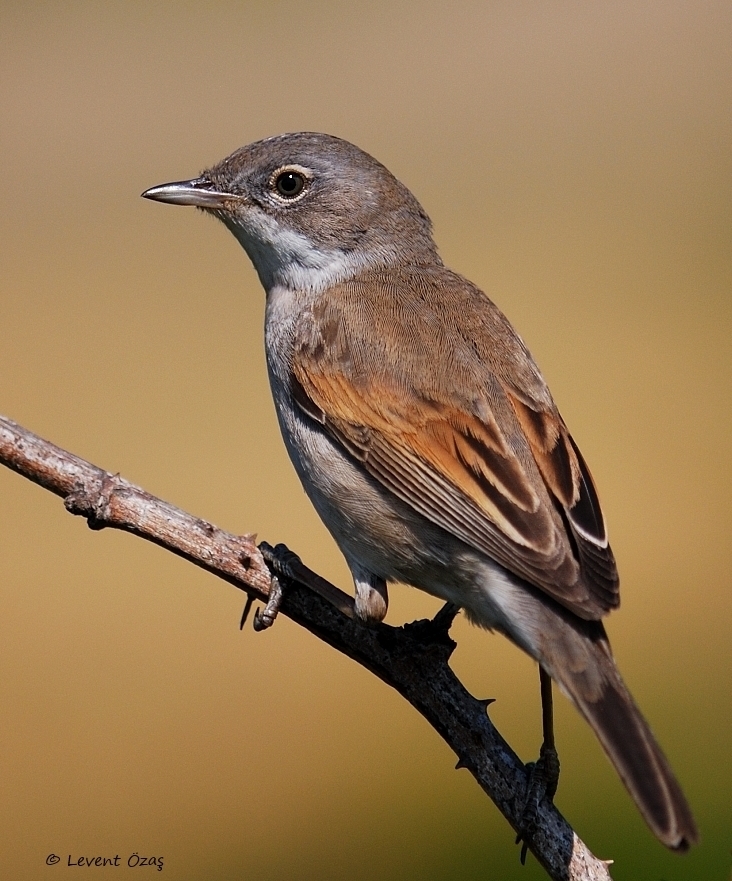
424,433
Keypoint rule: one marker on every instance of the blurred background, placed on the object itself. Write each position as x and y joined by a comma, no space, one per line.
575,159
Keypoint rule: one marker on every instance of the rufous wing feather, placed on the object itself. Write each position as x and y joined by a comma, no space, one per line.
459,471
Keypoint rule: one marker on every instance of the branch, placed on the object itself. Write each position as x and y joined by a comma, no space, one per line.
412,659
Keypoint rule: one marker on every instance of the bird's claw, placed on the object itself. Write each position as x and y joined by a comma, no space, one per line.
280,560
265,618
542,783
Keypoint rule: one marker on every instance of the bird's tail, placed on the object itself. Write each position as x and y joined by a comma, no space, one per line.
586,672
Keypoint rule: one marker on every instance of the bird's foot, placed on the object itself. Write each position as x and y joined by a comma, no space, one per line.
542,783
264,618
280,560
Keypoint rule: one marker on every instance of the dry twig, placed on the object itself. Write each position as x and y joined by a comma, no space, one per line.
412,659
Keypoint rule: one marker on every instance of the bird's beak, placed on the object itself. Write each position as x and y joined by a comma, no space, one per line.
199,192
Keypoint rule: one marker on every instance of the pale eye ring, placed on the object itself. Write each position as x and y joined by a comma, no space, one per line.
289,183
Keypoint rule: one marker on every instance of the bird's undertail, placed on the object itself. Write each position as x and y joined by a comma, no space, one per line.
598,691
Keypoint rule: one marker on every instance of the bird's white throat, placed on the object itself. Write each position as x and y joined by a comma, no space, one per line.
286,258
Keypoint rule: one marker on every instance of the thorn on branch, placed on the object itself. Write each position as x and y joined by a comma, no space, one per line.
445,617
435,632
247,610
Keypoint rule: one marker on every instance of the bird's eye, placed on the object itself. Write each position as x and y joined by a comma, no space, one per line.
289,184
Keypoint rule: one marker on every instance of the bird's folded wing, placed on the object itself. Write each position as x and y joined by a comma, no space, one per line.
530,505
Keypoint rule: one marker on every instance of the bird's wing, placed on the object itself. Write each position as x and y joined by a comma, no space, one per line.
495,467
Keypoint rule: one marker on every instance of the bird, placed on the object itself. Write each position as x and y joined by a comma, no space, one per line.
424,433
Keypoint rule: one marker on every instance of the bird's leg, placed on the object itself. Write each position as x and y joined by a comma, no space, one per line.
544,773
285,566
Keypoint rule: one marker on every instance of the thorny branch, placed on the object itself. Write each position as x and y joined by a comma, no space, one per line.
412,659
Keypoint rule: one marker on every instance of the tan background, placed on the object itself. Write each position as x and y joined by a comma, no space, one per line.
576,161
